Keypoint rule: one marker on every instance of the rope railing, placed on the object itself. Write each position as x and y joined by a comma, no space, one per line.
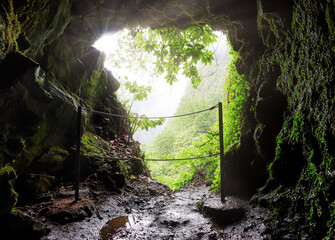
151,159
219,105
144,117
180,159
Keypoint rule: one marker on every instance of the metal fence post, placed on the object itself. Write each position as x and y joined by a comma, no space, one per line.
78,139
221,151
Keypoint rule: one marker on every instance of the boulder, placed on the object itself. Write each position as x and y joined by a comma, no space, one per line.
23,106
107,180
57,128
224,217
136,166
17,225
64,210
53,161
112,83
30,184
119,179
113,179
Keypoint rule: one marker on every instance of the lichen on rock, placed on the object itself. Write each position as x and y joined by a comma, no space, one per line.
8,195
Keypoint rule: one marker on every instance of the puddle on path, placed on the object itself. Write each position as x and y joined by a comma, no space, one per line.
173,216
111,227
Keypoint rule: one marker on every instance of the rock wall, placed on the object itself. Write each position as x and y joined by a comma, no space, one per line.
300,56
286,53
46,72
49,67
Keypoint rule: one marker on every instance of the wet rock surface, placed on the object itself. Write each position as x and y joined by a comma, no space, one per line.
146,209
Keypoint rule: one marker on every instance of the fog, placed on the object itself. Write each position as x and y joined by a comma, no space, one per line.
163,99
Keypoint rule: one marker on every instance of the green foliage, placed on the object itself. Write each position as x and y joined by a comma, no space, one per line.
7,172
175,49
168,50
145,123
8,195
236,93
171,51
140,92
198,135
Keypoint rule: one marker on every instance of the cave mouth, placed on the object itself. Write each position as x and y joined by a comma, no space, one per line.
131,63
283,46
220,82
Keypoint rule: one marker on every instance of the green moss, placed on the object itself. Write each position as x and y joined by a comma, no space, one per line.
95,87
30,11
330,22
17,225
8,195
305,54
10,29
123,168
33,149
59,151
92,144
275,213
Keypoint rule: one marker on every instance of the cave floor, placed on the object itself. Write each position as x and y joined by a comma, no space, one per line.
149,210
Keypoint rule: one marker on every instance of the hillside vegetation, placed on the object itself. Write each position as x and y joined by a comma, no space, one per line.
198,135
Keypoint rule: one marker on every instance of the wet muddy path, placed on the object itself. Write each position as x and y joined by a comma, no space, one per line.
149,210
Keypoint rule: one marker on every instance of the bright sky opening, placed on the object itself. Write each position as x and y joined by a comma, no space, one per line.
163,99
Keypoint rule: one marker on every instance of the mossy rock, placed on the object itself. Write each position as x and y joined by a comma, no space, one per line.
136,166
123,168
53,161
30,185
15,225
56,129
8,195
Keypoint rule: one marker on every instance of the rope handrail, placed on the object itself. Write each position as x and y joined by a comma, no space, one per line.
153,159
181,159
139,117
78,141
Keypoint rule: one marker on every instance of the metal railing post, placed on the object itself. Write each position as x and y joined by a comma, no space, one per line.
78,140
221,151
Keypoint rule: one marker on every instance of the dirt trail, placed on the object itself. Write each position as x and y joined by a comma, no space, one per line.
149,210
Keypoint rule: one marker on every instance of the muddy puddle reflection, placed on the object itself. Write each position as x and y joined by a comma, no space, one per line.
118,227
165,216
113,226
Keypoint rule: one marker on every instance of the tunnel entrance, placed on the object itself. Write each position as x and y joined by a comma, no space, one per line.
142,59
48,67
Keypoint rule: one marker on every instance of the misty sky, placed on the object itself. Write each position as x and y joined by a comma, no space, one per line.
163,99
